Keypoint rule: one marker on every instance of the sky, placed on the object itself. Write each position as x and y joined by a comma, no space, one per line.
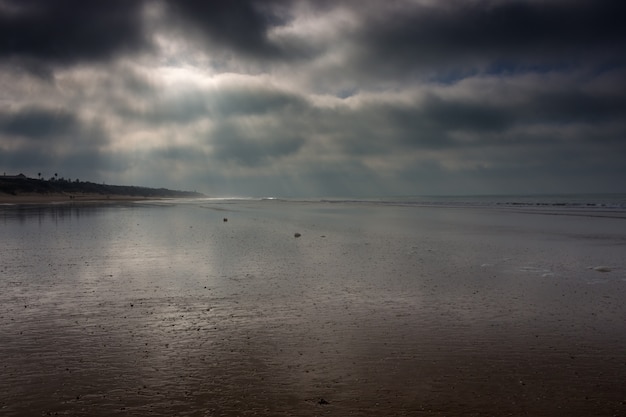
308,98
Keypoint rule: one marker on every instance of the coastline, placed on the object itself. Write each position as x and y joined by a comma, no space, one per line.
37,198
19,189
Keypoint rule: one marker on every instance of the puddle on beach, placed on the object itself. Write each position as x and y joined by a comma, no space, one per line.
168,310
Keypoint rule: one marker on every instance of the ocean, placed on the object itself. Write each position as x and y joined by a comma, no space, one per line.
476,305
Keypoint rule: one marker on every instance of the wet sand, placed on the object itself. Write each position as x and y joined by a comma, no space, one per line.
164,309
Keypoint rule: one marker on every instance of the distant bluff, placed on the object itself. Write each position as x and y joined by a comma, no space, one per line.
20,184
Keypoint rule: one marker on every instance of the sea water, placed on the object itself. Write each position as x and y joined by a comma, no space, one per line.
380,306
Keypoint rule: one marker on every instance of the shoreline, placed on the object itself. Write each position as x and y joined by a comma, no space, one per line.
36,198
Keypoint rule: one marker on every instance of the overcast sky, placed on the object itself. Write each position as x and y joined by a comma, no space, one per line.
317,97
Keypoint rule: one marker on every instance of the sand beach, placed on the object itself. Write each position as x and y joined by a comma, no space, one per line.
163,308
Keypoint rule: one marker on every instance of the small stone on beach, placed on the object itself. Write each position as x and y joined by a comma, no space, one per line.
297,235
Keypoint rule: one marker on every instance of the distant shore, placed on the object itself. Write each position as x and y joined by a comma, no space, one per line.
19,189
34,198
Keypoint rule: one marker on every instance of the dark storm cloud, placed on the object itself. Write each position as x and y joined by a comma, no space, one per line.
472,116
571,106
496,36
240,25
250,147
84,163
561,106
54,139
390,39
403,37
376,128
189,154
179,108
69,31
379,127
36,123
496,127
258,101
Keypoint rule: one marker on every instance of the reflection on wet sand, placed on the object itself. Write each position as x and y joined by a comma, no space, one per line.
168,310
